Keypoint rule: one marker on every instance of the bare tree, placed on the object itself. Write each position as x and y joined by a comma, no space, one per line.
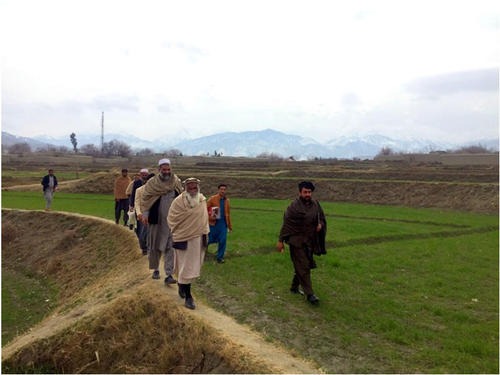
116,148
385,151
172,153
90,149
145,152
473,149
19,148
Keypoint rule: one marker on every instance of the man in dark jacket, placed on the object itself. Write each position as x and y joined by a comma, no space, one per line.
304,229
49,183
141,230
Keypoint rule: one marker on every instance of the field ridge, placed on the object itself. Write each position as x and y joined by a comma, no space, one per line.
136,275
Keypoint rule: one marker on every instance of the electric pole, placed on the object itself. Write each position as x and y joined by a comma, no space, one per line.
102,133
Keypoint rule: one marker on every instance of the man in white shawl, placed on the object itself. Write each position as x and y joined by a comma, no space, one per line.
188,222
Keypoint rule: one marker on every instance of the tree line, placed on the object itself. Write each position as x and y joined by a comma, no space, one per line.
109,149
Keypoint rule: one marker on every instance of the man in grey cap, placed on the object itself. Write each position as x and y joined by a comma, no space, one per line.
157,196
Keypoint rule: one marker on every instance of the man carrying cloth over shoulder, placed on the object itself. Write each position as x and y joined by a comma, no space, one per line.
304,229
157,196
220,220
188,221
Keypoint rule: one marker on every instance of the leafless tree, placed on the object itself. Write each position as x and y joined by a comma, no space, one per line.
19,148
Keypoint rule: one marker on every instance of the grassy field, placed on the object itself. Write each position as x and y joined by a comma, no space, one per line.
401,289
26,299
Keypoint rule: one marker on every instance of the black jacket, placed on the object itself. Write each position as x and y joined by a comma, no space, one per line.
45,182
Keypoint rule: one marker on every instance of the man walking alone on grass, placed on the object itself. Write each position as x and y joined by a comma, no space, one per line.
220,220
121,198
157,196
304,229
49,183
188,220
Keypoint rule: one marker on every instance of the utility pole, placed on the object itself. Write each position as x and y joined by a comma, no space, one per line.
102,133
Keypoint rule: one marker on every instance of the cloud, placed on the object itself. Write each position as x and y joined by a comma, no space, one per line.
453,83
114,102
192,52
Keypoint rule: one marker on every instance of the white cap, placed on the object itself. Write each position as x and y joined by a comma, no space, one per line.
144,170
164,161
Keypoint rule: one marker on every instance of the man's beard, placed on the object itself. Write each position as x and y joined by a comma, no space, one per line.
164,176
193,200
306,200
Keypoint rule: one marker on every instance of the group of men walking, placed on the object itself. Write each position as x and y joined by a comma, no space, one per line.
173,218
173,221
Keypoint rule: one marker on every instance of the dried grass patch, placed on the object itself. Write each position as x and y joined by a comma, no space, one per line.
73,252
143,333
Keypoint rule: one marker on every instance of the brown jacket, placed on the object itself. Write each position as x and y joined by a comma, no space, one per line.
214,201
121,184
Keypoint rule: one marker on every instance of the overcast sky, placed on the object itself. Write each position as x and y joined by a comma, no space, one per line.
322,69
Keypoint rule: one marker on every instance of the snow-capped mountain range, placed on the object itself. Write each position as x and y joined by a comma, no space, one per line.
253,143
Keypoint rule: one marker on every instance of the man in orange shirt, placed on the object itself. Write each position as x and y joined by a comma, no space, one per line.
121,198
220,220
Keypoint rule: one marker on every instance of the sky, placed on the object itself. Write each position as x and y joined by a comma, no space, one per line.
186,69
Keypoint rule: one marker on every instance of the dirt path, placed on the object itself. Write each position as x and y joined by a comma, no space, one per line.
36,187
275,355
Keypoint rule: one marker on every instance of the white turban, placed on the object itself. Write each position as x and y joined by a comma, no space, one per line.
164,161
144,170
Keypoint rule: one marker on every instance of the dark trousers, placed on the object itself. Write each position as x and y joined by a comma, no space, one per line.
302,265
142,235
121,205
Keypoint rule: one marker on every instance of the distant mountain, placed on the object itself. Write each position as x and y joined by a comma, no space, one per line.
369,145
10,139
253,143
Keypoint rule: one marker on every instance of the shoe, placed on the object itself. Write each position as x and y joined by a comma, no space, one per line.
189,303
220,260
156,275
182,293
170,280
313,299
297,291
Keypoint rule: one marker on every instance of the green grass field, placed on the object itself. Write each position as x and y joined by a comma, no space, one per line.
26,299
401,289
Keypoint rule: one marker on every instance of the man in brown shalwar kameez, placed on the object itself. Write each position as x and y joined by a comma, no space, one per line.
304,229
188,221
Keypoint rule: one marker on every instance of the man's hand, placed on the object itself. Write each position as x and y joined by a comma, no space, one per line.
318,228
280,247
144,220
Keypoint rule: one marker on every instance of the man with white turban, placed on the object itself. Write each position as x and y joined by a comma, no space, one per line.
188,221
157,196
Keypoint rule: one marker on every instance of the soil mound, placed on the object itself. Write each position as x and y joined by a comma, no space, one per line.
138,334
110,316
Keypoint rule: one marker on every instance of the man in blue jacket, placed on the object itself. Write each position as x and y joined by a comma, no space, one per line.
49,183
